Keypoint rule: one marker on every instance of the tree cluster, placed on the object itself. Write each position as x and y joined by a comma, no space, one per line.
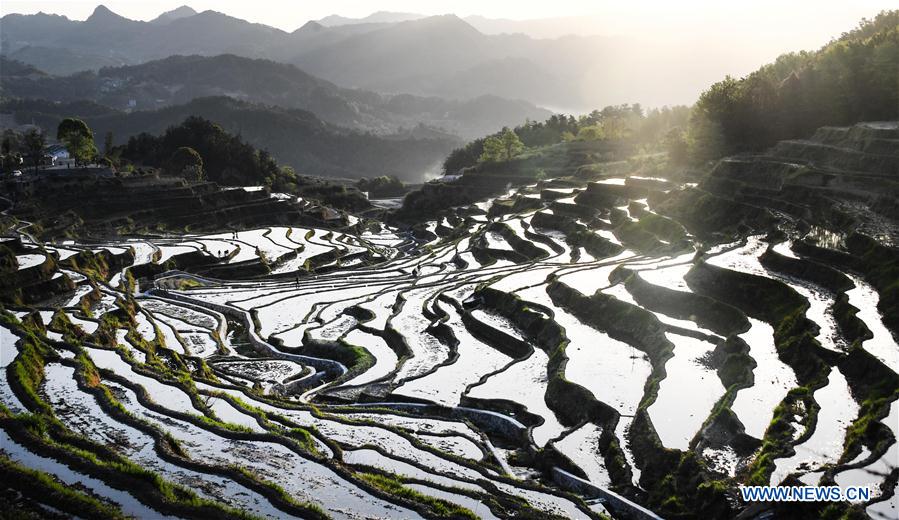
503,147
382,187
199,148
851,79
78,140
20,149
186,163
627,123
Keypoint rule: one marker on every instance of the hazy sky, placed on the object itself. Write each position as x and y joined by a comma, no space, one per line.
782,24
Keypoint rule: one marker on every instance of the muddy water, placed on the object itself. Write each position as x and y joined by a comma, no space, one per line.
427,350
882,345
873,474
8,353
385,357
30,260
825,445
418,424
772,380
588,281
745,259
375,459
171,397
81,413
613,370
273,462
582,447
315,308
686,395
475,506
129,505
524,382
447,383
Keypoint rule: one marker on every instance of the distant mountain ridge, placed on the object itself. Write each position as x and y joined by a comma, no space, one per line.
180,12
106,37
536,28
376,17
442,56
180,79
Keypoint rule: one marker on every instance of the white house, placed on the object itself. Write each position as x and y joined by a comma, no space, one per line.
56,154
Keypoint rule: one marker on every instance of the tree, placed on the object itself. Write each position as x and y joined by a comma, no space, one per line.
676,145
81,148
107,144
492,150
463,157
71,125
590,133
186,163
34,145
78,139
10,150
383,186
284,181
706,140
512,145
503,147
11,142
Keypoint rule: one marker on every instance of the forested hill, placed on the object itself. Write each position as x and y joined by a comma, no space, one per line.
853,78
293,137
180,79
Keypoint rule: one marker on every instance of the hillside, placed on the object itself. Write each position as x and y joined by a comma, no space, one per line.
853,78
180,79
294,137
432,56
583,326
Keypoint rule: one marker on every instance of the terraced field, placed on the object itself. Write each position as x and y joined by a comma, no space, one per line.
573,348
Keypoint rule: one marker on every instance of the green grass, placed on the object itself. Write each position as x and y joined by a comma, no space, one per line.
436,506
188,283
28,371
239,428
45,488
779,435
43,428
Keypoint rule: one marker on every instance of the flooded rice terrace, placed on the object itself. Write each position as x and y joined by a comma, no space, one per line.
373,373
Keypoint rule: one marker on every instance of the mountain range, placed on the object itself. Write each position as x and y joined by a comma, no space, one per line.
180,79
377,17
442,56
391,93
536,28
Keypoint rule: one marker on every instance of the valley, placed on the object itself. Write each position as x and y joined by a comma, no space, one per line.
347,266
612,339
